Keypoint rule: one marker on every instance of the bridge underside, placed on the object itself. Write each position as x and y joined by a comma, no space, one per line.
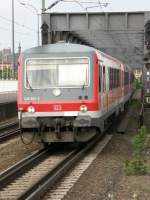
118,34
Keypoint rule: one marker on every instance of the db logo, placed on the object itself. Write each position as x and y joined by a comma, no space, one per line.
57,107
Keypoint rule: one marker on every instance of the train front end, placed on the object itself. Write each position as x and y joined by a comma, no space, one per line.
57,92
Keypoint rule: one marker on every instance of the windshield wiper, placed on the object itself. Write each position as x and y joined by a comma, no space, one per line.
83,86
28,82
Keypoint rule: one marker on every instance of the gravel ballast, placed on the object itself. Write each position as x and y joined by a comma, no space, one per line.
105,178
14,150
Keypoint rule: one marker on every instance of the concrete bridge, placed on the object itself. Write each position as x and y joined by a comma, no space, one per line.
120,34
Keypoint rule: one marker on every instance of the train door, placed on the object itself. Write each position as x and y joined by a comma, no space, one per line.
122,80
104,95
100,83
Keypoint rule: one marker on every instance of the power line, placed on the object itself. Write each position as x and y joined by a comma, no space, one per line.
18,32
105,4
86,2
80,4
97,3
22,25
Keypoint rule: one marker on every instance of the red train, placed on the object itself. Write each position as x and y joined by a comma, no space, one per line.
66,92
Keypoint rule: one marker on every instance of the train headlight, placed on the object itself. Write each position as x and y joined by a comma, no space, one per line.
31,109
83,108
56,92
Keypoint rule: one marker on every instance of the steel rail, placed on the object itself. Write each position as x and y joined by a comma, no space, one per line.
46,182
7,125
5,136
25,164
8,130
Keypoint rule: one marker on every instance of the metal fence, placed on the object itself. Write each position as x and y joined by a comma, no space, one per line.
7,73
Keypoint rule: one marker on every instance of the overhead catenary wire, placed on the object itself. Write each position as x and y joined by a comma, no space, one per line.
99,3
84,2
95,4
79,2
17,23
18,32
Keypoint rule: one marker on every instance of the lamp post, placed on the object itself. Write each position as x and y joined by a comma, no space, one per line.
38,21
2,66
13,42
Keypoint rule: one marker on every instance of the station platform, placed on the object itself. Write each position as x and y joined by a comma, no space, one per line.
8,91
8,105
7,97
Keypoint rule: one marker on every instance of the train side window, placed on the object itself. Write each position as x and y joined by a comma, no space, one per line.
126,78
113,78
104,79
118,77
111,75
99,77
110,78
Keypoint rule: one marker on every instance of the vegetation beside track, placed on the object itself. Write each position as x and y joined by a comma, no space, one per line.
137,165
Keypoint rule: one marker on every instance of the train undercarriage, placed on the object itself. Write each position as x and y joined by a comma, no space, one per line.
69,129
60,129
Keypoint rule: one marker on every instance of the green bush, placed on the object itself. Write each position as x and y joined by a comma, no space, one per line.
137,166
138,142
137,84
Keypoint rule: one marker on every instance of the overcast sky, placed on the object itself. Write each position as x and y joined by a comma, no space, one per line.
26,19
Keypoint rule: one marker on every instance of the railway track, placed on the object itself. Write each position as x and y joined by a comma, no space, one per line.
8,130
32,177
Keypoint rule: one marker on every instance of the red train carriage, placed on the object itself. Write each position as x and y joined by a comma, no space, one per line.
65,89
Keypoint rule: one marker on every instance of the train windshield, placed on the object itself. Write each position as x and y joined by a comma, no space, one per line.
50,73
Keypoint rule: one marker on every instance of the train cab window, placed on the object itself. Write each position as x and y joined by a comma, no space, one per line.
63,72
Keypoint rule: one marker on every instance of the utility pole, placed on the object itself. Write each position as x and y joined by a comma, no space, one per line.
2,66
43,5
13,42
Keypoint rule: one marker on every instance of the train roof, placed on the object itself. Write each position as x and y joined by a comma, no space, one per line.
59,48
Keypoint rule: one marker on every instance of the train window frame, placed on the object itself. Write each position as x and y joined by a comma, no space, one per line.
54,58
114,78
